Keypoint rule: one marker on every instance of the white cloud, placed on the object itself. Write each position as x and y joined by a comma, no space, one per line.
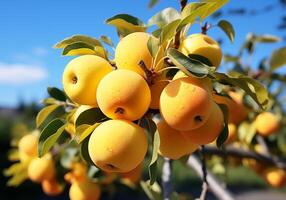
19,74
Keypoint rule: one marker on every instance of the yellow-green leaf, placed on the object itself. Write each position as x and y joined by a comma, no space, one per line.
227,29
164,17
126,24
252,87
51,140
47,114
169,31
82,48
278,58
153,171
78,38
52,128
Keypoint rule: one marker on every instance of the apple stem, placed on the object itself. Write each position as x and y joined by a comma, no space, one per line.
150,74
205,28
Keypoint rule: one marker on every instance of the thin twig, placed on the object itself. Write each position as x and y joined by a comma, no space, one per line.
204,169
241,153
263,144
183,4
215,185
148,73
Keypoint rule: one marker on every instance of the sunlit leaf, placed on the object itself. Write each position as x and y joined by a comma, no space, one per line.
47,114
188,65
52,128
82,48
164,17
152,3
126,24
87,132
200,10
153,192
227,28
153,171
169,31
87,121
229,58
84,151
51,140
266,38
106,40
78,38
212,7
278,58
252,87
153,46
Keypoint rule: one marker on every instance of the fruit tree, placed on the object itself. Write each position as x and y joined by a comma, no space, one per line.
155,98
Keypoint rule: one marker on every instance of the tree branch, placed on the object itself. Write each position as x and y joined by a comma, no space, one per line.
205,173
215,185
183,3
241,153
166,179
263,144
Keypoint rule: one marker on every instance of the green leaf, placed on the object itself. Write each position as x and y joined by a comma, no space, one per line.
227,27
229,58
49,101
191,8
164,17
224,134
156,33
148,124
188,65
57,93
153,171
200,10
78,38
47,114
252,87
84,151
278,58
266,38
82,48
153,192
201,59
87,132
51,140
106,40
191,12
153,46
152,3
90,117
246,132
87,121
126,24
51,129
169,31
211,7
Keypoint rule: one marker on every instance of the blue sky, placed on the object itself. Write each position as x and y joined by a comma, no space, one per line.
29,29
